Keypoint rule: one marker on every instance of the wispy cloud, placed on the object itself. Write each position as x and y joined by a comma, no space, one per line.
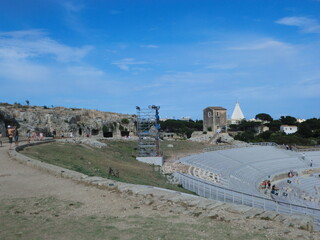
31,58
72,11
262,44
72,7
225,66
36,43
124,64
307,25
149,46
24,72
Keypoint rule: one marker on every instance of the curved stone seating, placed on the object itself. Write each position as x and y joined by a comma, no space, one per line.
242,169
301,191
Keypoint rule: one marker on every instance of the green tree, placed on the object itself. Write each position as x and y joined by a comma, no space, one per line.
288,120
313,123
265,135
125,121
246,136
274,126
182,128
305,130
264,117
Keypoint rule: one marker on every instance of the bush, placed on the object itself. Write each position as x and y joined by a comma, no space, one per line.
125,121
246,136
109,127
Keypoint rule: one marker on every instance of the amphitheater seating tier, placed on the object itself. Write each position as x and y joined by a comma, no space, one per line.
242,169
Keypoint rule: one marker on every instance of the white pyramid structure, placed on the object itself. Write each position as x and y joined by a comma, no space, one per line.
237,114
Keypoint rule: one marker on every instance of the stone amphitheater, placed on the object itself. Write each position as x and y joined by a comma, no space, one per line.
234,173
230,174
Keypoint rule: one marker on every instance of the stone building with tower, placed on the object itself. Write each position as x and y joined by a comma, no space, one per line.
214,119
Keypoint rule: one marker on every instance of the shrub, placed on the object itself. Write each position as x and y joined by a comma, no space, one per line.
125,121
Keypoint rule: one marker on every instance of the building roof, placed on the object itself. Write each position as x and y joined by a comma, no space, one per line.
217,108
237,113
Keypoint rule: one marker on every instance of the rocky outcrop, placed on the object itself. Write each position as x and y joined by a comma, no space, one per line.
211,138
66,121
88,141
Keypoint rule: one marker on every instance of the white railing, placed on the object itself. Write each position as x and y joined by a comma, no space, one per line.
215,192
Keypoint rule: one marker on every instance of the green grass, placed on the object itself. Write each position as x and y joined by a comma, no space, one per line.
119,155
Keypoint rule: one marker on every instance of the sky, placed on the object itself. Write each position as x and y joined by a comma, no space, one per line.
181,55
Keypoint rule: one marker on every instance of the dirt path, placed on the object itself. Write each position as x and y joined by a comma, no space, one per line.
36,205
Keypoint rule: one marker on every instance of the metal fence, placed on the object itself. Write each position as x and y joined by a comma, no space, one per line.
215,192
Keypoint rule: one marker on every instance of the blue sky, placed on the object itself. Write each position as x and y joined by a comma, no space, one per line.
185,55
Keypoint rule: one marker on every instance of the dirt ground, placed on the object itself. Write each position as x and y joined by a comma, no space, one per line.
36,205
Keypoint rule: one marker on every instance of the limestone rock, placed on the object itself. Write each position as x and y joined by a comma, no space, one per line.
66,121
88,141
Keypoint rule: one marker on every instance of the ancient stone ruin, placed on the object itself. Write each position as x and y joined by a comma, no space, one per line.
66,122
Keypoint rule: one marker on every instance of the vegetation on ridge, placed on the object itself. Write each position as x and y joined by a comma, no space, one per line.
308,131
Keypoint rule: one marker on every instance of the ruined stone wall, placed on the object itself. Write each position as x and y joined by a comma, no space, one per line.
59,120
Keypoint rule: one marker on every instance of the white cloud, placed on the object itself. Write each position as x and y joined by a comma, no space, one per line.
262,44
24,72
36,43
124,64
30,60
84,72
307,25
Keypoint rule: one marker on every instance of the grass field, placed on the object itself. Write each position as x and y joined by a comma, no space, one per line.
119,155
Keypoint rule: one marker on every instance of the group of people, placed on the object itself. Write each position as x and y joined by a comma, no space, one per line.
34,136
266,184
289,147
13,135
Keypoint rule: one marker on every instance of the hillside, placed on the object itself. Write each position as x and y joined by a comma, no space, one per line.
60,120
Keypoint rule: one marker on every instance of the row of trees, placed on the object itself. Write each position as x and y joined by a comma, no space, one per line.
308,131
180,127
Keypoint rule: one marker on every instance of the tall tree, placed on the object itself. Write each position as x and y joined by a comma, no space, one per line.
288,120
305,130
264,117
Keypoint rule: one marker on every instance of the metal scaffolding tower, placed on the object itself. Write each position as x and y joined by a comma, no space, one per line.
148,131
